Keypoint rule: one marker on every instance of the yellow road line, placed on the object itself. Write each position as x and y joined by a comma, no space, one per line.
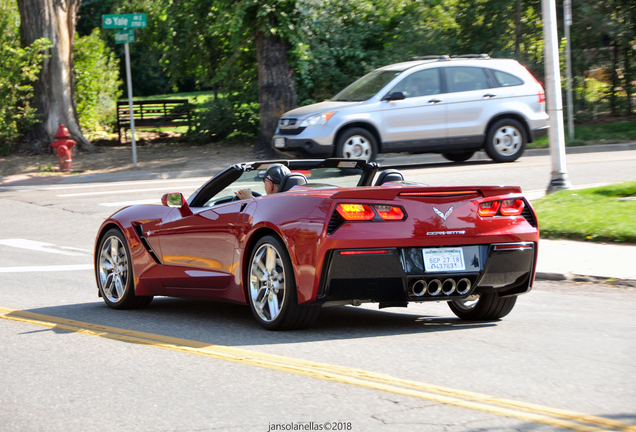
476,401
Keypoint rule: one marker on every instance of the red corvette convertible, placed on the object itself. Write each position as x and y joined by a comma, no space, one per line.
336,232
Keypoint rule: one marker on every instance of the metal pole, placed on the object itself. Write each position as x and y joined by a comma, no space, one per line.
567,21
130,104
554,101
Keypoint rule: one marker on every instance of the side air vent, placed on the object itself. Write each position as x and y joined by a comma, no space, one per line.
335,222
527,214
140,233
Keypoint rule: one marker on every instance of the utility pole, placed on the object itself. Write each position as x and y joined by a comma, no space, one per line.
559,180
567,22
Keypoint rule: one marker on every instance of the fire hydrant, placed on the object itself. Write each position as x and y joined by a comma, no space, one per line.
65,148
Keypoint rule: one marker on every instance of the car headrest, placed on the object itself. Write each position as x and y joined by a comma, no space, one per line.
390,175
291,180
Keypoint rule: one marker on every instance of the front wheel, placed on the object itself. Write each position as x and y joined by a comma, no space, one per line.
272,288
506,140
483,307
114,273
357,143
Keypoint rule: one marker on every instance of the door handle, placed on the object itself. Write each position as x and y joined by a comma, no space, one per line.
489,96
434,101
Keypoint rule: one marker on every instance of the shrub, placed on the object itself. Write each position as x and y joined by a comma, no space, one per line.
19,68
97,84
219,119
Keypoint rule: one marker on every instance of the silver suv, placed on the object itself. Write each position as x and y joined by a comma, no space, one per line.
434,104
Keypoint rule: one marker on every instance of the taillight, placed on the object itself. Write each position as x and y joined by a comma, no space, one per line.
512,207
367,212
541,96
390,212
487,209
355,212
507,207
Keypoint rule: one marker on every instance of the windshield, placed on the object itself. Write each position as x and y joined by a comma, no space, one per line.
348,175
367,86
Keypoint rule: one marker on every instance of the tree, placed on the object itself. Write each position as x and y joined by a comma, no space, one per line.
54,92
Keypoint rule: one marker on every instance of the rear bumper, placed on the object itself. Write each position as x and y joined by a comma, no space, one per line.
398,275
538,133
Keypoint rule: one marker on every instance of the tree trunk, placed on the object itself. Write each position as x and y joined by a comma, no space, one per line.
276,88
54,91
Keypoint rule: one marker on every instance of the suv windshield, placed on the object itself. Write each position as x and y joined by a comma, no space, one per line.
367,86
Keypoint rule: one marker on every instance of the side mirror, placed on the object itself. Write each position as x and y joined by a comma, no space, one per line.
395,96
177,200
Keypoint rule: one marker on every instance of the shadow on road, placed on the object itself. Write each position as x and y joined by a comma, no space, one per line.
234,325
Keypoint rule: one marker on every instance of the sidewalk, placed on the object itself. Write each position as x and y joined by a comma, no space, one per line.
565,259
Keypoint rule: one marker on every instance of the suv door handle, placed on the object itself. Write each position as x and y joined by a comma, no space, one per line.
489,96
434,101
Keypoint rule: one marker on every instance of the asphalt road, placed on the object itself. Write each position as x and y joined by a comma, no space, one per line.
562,360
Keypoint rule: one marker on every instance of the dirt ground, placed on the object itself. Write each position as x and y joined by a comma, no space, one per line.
154,153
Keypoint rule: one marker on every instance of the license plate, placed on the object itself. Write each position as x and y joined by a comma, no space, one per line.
443,259
279,142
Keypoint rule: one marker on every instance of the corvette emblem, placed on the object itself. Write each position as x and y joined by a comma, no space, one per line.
443,215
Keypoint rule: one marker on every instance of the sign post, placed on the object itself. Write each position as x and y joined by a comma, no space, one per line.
125,25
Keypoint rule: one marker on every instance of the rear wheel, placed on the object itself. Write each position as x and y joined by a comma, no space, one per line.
114,273
459,156
483,307
357,143
506,140
272,288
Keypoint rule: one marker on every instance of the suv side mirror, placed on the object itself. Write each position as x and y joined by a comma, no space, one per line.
176,199
395,96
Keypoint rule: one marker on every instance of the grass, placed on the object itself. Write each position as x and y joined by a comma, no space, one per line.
599,133
596,214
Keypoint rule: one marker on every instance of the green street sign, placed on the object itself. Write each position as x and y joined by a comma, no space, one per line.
125,21
124,36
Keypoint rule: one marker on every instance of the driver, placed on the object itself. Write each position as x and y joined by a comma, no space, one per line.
273,176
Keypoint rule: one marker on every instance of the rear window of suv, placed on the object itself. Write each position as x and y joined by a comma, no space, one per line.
505,79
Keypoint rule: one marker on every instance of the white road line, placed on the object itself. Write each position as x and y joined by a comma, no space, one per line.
53,268
44,247
128,203
111,192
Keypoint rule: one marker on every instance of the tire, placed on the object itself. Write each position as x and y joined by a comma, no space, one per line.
357,143
485,307
506,140
115,279
459,156
271,288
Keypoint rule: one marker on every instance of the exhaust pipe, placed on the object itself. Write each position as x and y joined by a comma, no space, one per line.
419,288
463,286
448,287
435,287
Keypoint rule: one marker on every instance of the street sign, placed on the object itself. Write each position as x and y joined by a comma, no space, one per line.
138,20
124,36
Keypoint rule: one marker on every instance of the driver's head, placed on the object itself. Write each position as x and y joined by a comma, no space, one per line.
274,175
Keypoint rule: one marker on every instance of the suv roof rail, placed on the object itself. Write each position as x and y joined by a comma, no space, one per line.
438,57
473,56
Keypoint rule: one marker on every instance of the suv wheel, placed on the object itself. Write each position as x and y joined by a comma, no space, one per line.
506,140
357,143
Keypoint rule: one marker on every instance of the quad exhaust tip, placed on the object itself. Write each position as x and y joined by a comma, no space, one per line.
436,287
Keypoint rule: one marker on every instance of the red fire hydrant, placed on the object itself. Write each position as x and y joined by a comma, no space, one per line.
65,148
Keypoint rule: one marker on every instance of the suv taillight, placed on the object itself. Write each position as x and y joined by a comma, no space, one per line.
541,95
